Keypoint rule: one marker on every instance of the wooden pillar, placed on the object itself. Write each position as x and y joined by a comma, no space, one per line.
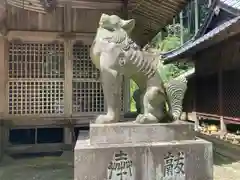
68,90
126,86
67,17
68,131
196,16
181,26
1,140
194,112
3,99
4,135
125,9
68,136
220,97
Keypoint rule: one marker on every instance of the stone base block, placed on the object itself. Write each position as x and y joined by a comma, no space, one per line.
119,133
182,160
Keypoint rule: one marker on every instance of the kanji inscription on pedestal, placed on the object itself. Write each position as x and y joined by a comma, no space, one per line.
174,164
121,167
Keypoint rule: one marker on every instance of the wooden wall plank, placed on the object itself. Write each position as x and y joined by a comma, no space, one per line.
86,20
21,19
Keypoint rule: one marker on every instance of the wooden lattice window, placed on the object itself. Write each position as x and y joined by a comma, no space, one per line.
87,90
88,96
207,94
36,78
231,95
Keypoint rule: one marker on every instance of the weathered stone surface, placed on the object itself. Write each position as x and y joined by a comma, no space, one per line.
144,161
115,54
135,133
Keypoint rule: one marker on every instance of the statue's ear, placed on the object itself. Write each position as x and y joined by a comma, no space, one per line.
128,25
103,17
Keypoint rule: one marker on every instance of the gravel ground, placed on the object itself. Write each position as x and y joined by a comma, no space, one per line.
61,168
42,168
224,169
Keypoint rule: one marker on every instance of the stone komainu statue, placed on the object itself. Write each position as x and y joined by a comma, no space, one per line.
115,54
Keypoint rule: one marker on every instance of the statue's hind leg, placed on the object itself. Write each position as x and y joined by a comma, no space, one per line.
153,100
111,83
153,106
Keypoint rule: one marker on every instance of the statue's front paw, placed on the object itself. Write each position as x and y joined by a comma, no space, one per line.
146,119
105,119
139,118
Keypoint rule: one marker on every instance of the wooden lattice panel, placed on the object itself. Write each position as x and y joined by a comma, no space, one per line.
36,78
87,90
36,60
188,100
231,95
207,94
88,96
35,97
82,65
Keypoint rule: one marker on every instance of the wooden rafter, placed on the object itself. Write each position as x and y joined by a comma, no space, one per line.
142,19
159,12
151,14
146,17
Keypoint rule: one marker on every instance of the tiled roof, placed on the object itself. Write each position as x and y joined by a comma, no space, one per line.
232,6
231,3
207,20
218,34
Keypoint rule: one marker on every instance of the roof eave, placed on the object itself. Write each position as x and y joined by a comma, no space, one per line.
229,9
207,21
202,29
217,38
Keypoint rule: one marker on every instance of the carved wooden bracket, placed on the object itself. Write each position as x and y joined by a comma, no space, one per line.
49,5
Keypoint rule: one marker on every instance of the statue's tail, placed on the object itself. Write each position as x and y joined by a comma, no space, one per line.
188,74
175,90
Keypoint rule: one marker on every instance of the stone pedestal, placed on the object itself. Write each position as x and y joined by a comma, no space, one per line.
128,151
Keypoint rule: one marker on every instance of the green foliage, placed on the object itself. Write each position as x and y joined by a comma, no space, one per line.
133,87
172,39
169,43
169,71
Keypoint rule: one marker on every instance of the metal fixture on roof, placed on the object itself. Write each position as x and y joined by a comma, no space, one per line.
232,3
216,10
49,4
